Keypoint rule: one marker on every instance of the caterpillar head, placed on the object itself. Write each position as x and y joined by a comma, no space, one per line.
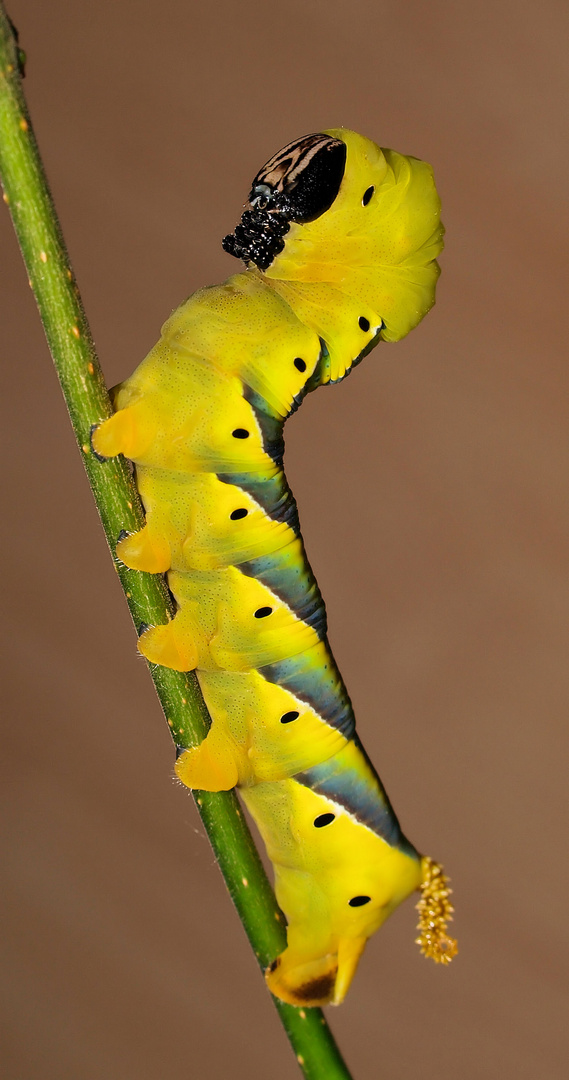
297,184
335,222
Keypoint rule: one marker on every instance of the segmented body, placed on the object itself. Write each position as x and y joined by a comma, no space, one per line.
349,262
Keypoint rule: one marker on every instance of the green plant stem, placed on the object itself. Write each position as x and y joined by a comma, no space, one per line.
51,278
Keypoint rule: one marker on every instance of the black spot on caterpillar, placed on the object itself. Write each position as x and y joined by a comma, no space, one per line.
323,819
289,717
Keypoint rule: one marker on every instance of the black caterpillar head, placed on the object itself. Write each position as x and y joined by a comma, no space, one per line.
298,184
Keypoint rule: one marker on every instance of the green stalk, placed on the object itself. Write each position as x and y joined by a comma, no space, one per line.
33,214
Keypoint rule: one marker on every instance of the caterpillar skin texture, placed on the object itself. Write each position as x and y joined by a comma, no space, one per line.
340,241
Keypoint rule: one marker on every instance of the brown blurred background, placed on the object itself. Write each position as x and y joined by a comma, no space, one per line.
433,497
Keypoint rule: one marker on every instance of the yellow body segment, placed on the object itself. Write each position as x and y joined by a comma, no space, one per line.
202,420
318,870
247,321
217,613
248,713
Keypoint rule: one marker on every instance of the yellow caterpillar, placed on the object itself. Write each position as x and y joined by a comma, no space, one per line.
340,241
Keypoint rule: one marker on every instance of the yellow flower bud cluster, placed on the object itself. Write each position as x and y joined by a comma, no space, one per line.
435,911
